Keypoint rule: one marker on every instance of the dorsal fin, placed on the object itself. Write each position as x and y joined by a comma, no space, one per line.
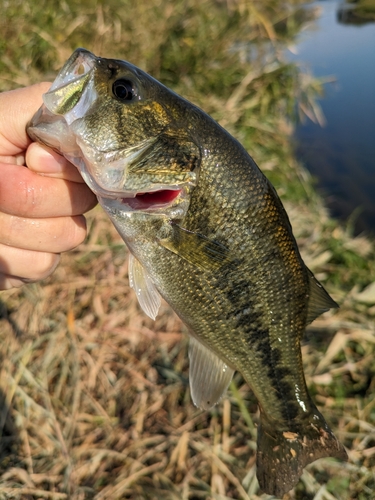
147,294
209,376
320,301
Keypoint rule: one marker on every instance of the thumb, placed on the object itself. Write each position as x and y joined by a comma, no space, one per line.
47,162
16,109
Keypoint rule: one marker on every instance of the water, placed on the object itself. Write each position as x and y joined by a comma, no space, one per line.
341,155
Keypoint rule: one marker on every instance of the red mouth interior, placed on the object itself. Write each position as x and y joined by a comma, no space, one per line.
155,198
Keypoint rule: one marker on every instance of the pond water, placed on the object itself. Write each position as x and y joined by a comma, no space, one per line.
341,155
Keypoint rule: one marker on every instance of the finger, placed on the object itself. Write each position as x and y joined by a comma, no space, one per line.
18,266
18,159
27,194
45,161
54,235
18,106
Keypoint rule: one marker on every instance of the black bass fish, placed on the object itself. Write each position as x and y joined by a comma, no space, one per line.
206,231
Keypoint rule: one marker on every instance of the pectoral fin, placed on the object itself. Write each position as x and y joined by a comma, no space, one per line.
172,155
196,248
209,376
147,294
319,301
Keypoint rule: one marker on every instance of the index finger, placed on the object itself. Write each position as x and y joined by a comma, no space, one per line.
27,194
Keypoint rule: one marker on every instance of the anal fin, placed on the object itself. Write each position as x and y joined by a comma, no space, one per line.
209,376
147,294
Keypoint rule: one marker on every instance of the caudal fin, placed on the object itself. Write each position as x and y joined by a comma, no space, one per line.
282,455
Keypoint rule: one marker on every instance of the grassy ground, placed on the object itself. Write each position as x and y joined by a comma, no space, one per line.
94,398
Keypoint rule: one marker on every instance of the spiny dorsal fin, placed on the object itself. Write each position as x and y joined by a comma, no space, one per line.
209,376
147,295
196,248
320,301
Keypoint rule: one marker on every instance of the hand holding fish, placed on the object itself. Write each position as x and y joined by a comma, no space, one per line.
41,205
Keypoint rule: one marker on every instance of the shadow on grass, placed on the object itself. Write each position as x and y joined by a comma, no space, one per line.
4,315
9,438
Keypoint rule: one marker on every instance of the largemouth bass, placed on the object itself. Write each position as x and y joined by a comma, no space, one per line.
206,231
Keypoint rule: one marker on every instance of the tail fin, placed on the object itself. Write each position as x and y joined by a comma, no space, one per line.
282,455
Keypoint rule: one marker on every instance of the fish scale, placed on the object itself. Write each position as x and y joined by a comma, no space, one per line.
219,250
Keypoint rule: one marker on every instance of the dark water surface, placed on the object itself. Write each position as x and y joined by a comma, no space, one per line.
341,155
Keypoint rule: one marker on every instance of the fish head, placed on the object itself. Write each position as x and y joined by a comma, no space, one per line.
123,130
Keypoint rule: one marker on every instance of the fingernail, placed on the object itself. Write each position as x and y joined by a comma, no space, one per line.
44,160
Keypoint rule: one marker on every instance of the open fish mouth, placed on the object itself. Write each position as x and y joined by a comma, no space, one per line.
77,66
73,91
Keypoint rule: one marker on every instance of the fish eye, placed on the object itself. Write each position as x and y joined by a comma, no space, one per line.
123,89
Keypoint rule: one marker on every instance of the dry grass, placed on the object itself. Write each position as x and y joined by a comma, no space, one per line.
94,398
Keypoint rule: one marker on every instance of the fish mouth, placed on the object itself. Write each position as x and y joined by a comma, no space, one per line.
76,68
73,91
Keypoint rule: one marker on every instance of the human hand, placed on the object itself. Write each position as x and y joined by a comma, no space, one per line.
41,206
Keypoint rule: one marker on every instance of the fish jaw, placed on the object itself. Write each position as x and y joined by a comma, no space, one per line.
69,98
